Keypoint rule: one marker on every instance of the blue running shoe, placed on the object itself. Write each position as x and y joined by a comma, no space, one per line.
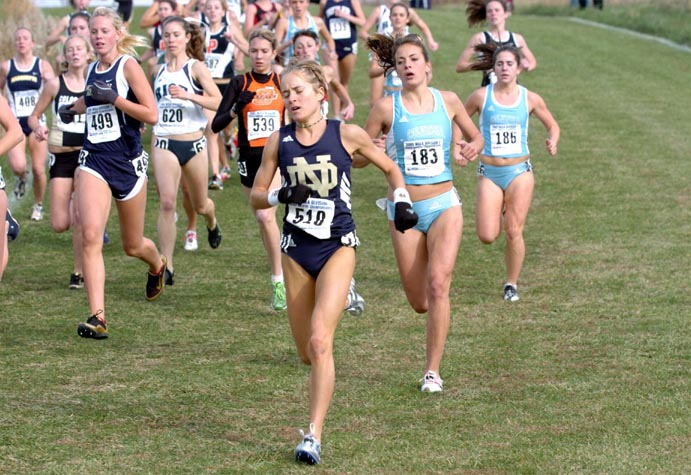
13,230
309,450
106,238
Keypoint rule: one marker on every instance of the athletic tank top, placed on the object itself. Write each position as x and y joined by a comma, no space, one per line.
325,168
505,128
24,87
391,81
384,26
108,129
342,30
61,134
420,143
157,43
290,32
264,115
219,55
177,116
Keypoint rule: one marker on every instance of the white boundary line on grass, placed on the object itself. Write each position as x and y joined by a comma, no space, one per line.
664,41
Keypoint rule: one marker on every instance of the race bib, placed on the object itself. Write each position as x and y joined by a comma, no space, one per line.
172,116
339,28
505,139
102,123
83,154
314,216
423,157
140,164
261,124
242,168
216,63
25,101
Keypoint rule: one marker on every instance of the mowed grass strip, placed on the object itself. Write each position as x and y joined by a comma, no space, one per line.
588,373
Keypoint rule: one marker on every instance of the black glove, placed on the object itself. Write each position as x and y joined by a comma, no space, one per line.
100,91
66,113
244,98
296,194
404,216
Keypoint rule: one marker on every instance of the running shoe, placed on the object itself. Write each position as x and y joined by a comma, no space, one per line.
37,212
309,450
13,229
510,293
19,187
381,204
156,282
170,277
76,281
355,303
106,238
94,327
278,300
191,243
216,183
431,383
214,236
226,173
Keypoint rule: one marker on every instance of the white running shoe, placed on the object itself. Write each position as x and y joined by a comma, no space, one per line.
191,243
309,450
37,212
356,304
381,204
431,383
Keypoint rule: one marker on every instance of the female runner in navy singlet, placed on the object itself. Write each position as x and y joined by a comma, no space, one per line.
113,164
314,156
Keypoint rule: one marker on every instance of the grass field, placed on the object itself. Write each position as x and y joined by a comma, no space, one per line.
590,373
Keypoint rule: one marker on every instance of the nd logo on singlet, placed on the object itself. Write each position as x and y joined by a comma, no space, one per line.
321,176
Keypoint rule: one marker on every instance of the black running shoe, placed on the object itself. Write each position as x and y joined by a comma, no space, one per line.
95,327
170,277
19,187
13,230
214,236
510,293
156,282
76,281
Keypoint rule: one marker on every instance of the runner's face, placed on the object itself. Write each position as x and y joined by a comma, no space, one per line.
23,42
164,10
299,7
103,35
81,4
506,67
214,10
76,52
399,18
175,38
496,15
79,26
411,65
301,100
306,48
261,55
